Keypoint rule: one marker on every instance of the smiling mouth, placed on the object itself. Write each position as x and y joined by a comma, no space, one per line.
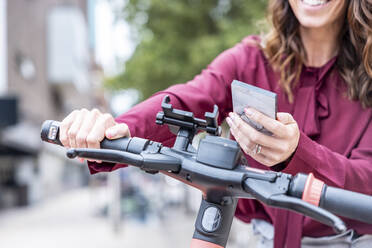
315,2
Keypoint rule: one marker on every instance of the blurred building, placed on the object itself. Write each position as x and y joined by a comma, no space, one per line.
46,71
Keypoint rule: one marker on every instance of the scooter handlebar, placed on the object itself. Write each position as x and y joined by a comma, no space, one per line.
346,203
342,202
50,133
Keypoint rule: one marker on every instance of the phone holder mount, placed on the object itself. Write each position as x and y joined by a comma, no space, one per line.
185,125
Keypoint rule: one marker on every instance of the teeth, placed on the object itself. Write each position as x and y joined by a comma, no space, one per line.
315,2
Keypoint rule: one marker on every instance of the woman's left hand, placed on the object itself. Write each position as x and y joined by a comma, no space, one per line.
268,150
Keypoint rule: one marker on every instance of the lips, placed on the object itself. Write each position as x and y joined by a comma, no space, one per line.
315,2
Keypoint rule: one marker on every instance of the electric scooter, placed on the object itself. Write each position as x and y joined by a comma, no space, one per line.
217,170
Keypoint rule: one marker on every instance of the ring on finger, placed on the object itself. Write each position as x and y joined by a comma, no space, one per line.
257,149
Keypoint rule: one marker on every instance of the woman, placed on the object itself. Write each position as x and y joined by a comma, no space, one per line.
318,59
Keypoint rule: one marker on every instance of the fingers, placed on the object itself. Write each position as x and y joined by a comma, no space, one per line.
285,118
244,144
264,155
65,126
97,133
251,135
75,127
274,126
117,131
272,149
86,127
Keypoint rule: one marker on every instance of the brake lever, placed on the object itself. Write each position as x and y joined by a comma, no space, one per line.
112,156
274,193
149,162
319,214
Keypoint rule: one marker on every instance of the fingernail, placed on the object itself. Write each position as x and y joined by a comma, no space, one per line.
95,161
249,112
111,133
82,160
232,116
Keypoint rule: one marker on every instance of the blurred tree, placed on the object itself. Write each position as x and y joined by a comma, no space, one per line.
178,38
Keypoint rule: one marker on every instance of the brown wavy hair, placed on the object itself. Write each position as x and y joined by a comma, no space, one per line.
286,53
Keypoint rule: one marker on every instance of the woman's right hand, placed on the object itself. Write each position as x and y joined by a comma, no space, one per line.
86,129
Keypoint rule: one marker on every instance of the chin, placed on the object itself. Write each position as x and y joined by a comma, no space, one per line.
310,22
318,13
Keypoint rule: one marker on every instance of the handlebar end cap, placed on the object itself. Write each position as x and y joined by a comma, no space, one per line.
71,153
340,227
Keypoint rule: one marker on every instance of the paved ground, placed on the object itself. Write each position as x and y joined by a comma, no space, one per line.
69,220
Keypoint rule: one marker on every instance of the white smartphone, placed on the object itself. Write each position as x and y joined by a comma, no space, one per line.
245,95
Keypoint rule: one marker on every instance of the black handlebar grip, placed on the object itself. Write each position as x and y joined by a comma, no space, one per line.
50,133
347,203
